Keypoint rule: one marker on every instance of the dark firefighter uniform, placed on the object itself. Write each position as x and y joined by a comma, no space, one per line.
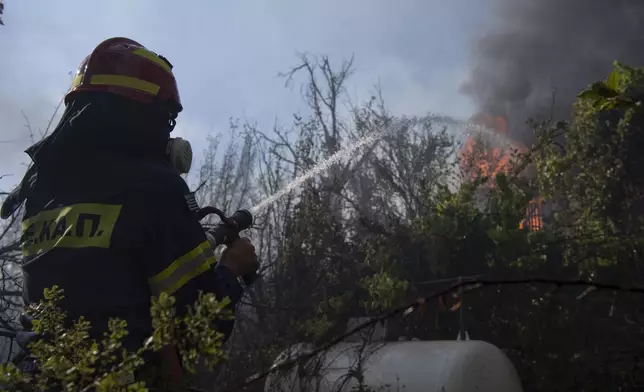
108,217
113,235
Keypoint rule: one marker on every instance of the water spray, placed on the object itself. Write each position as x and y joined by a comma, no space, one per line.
317,169
230,228
345,153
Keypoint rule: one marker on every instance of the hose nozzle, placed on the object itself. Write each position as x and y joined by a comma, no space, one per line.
227,232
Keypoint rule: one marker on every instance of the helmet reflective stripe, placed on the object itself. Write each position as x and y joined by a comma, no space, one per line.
80,73
125,81
124,67
77,79
152,57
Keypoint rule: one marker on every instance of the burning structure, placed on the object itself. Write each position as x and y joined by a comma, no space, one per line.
488,151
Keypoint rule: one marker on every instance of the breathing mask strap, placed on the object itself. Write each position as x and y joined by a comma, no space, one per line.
172,123
178,151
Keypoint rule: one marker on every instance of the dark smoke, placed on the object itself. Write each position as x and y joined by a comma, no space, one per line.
539,45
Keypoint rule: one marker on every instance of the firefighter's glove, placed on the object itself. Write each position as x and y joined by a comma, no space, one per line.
240,257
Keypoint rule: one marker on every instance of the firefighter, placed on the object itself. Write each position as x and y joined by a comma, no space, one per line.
108,217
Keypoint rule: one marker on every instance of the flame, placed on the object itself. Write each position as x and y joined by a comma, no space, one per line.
491,160
533,220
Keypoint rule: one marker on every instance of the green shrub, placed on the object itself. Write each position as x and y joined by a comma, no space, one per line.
72,361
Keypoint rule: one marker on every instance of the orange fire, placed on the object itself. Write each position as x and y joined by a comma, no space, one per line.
489,160
533,220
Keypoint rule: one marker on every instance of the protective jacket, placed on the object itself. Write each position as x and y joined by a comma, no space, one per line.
113,228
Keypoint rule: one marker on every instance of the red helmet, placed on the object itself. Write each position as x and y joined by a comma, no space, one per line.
125,67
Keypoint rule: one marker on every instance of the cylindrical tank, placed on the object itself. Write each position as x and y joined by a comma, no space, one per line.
411,366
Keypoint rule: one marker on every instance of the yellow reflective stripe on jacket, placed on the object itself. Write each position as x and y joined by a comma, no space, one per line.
126,81
186,267
74,226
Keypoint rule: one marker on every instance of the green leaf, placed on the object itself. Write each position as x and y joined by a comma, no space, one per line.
614,79
598,91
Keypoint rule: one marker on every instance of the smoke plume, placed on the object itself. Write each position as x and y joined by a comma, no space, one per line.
541,45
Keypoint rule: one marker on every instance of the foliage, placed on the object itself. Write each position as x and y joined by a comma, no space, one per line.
383,290
596,178
593,193
600,168
193,333
407,226
69,359
397,219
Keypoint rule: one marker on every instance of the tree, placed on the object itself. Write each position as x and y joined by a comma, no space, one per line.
599,167
594,232
314,239
384,224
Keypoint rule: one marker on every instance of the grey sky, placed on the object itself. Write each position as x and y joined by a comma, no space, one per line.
227,55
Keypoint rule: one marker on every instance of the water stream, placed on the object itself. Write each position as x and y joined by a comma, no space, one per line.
353,149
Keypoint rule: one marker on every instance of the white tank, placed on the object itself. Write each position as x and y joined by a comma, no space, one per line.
409,366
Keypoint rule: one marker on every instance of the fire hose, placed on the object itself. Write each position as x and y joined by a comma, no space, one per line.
227,231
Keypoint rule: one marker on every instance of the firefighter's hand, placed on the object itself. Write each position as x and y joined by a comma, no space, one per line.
240,257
